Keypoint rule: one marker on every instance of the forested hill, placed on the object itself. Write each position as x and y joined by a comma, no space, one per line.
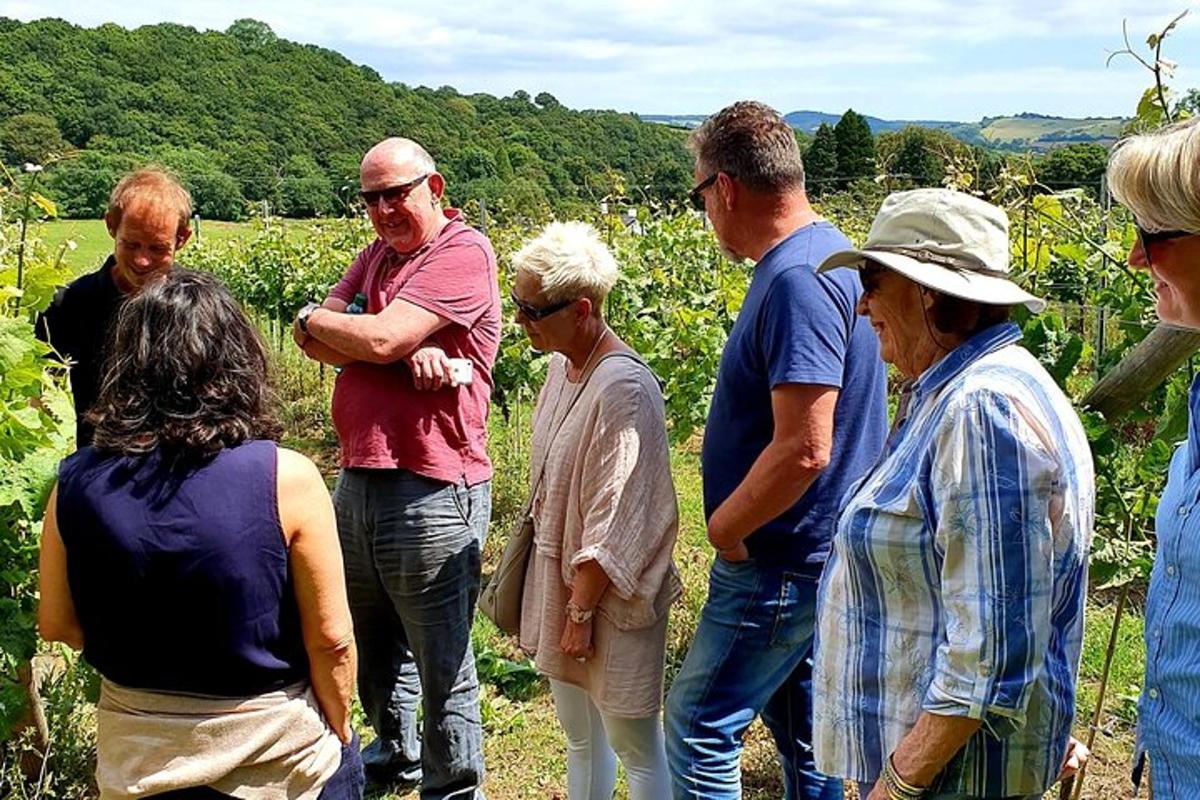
246,116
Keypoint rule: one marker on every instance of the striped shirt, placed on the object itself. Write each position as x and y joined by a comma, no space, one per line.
958,576
1169,709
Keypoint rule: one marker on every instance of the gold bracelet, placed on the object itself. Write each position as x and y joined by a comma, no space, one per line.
902,789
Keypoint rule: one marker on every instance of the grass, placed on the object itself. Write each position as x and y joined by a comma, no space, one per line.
1030,128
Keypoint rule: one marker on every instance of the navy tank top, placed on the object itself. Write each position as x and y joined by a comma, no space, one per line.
179,574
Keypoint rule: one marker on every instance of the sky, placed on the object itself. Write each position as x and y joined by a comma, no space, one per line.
896,59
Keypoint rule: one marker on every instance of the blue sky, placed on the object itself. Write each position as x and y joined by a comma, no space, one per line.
916,59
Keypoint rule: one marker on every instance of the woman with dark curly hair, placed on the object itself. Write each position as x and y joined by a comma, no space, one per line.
197,566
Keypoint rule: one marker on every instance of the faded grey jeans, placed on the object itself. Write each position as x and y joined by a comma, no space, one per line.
412,551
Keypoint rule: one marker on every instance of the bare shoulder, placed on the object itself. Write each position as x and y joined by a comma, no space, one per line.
299,484
296,467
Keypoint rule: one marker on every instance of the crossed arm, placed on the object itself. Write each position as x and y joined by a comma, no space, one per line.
337,338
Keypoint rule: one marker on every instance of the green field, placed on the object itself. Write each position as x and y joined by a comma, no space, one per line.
1028,129
92,244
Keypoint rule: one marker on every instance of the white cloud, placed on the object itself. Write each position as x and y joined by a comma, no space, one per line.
921,58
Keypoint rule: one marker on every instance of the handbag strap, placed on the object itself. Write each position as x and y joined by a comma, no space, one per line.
537,484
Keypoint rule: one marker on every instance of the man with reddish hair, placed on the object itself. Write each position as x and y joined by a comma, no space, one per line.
147,217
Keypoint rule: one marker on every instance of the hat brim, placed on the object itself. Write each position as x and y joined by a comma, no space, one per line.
987,289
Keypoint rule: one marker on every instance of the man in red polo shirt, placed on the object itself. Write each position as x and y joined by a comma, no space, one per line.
414,496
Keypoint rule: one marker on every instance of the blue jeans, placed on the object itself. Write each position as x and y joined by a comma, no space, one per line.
412,551
751,655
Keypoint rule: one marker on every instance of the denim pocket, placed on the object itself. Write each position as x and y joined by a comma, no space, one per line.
795,611
462,501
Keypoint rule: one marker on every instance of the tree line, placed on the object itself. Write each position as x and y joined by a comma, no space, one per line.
248,120
244,117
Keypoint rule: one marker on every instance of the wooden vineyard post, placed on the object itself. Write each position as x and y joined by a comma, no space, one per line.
1142,369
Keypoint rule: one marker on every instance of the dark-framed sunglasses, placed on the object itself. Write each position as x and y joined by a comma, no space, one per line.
394,195
1154,237
696,195
1150,238
868,276
534,313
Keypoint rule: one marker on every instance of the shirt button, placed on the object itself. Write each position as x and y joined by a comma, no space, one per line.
1170,569
1182,511
1157,632
1153,694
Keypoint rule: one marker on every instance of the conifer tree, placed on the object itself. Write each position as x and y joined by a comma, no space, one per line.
821,161
855,148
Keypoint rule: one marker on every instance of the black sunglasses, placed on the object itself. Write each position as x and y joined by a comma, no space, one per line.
696,195
393,194
868,276
1154,237
534,313
1148,238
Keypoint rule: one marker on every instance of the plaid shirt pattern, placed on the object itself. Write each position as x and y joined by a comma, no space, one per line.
958,575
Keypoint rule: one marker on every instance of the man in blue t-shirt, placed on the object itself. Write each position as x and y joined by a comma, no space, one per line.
798,414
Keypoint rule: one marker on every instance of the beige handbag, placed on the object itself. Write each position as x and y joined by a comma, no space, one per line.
500,600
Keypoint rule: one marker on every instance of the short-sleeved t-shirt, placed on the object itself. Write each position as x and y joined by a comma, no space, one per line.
796,327
383,421
77,325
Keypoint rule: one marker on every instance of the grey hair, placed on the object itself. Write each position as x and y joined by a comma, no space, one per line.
571,261
749,141
1157,177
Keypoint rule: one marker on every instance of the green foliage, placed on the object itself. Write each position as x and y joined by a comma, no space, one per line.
855,148
68,688
30,137
83,183
821,162
1189,104
288,123
1076,165
1072,251
274,272
916,157
35,417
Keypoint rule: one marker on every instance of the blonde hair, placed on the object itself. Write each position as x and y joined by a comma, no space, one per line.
571,261
150,187
1157,177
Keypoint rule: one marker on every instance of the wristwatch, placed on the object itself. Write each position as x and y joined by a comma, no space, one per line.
303,314
579,615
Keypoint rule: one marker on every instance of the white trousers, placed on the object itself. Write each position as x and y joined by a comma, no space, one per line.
595,741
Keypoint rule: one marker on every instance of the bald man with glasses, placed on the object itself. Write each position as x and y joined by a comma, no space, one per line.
414,495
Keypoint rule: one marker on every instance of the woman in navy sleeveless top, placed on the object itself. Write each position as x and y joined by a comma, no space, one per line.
197,566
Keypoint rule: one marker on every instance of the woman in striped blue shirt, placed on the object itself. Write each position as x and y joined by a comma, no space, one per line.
950,617
1157,176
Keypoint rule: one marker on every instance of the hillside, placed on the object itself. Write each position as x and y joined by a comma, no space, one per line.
1041,132
1020,132
245,117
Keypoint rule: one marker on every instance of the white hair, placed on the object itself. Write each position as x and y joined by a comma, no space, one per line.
571,262
1157,177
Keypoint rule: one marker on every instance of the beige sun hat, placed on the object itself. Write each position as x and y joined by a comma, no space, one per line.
945,240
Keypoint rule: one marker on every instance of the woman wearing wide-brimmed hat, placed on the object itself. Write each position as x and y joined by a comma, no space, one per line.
1157,176
951,608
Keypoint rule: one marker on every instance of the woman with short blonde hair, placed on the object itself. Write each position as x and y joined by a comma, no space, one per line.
601,576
